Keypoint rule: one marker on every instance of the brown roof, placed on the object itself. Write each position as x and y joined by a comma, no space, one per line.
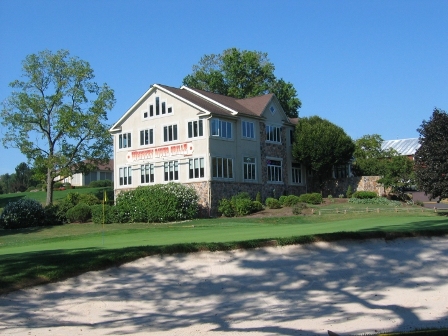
250,106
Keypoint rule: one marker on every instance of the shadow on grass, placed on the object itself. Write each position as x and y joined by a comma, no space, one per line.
5,199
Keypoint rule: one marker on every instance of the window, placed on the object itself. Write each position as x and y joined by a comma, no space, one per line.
221,128
147,137
273,133
249,168
145,114
170,133
147,173
195,129
222,168
157,105
248,130
292,137
196,168
171,171
125,176
124,140
274,171
90,177
163,107
105,176
296,173
341,171
151,110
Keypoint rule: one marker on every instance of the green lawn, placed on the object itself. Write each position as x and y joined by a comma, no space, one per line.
40,255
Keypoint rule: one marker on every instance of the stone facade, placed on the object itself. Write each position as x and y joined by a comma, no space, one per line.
336,187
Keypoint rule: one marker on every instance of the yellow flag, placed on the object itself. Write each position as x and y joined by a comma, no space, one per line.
105,196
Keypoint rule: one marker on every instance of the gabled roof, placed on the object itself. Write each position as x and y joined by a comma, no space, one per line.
402,146
207,103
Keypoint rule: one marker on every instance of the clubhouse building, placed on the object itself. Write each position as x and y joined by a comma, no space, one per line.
216,144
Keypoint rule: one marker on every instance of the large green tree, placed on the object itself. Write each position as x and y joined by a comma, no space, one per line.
242,74
369,158
321,145
57,116
431,159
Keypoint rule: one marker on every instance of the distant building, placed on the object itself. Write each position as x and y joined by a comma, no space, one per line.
103,172
405,147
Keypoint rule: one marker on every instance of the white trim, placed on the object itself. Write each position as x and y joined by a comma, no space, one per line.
233,112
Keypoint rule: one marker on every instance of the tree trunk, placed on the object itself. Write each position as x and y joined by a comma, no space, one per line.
49,188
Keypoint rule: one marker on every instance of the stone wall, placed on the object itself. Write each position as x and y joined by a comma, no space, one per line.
359,183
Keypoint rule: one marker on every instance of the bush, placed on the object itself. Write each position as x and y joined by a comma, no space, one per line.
110,214
100,184
291,200
89,199
257,206
67,185
243,206
376,200
298,208
57,185
349,192
80,213
157,203
53,215
22,214
364,194
226,208
258,197
282,199
273,203
313,198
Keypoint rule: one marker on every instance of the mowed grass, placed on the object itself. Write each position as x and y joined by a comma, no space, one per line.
41,255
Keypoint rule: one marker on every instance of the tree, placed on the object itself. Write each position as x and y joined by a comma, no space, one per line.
242,74
369,158
23,177
321,145
431,159
398,174
57,115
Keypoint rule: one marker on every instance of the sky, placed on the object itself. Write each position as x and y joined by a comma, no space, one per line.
370,67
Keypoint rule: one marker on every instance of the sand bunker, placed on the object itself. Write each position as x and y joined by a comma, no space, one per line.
347,287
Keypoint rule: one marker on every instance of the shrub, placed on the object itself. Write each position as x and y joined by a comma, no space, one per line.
243,206
282,199
376,200
298,208
257,206
258,197
273,203
80,213
341,195
22,214
67,185
313,198
57,185
364,194
157,203
226,208
88,199
100,184
53,215
110,214
349,192
291,200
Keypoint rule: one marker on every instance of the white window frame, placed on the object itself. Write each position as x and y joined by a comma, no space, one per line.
196,168
125,140
273,134
249,169
221,128
195,125
222,168
149,136
171,171
296,173
125,176
274,171
174,131
248,129
147,173
159,105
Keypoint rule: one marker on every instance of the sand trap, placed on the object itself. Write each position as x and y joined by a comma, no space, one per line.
346,287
